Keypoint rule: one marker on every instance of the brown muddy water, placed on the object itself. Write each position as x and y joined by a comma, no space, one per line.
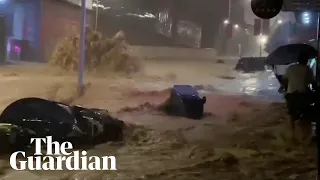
238,139
240,148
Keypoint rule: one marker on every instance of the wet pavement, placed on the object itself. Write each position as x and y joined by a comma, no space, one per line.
262,85
259,85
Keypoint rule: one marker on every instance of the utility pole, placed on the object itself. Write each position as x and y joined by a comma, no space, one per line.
82,47
97,2
260,47
226,39
229,12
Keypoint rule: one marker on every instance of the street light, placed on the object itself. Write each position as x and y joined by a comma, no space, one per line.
279,21
96,3
262,40
222,26
246,31
236,26
306,18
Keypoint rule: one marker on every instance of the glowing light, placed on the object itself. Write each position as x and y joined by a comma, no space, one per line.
305,14
263,39
236,26
17,49
306,18
226,21
279,21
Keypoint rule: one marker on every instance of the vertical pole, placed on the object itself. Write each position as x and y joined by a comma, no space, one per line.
229,11
260,49
318,93
260,45
220,38
82,46
226,45
97,14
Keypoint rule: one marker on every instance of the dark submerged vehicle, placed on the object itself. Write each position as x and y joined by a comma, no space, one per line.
251,64
36,117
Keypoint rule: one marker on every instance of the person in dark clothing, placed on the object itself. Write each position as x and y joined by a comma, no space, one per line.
279,70
279,78
297,81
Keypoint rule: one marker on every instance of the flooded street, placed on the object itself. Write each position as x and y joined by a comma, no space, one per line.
242,136
262,85
104,75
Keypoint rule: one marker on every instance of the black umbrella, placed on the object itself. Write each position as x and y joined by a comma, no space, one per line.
289,54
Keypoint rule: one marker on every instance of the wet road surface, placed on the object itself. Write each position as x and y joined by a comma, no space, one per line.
262,85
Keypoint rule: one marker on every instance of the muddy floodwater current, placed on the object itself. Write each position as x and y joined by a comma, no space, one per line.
244,134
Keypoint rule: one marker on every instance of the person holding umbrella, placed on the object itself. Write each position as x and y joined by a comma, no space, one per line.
296,82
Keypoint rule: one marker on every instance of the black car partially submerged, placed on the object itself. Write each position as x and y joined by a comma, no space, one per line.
36,117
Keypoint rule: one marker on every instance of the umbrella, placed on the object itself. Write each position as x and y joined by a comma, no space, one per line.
289,54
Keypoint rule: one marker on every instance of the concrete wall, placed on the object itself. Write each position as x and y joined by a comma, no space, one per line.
170,53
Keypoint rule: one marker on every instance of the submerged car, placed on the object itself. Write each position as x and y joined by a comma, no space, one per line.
251,64
41,117
14,137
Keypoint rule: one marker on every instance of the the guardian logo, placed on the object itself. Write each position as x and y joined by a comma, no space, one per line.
59,157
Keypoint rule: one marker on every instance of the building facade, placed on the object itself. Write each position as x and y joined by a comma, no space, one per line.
35,26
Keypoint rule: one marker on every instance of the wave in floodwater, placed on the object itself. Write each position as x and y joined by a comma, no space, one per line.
150,154
233,153
146,154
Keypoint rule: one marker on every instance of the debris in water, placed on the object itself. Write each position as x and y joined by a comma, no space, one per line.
227,77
